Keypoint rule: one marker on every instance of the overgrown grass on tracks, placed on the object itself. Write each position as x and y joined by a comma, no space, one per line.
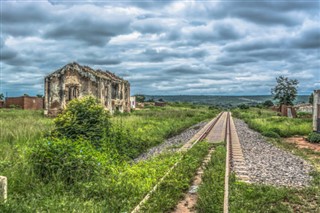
172,189
119,190
211,191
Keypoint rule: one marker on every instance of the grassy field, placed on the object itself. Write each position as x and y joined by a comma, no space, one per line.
116,189
268,123
246,197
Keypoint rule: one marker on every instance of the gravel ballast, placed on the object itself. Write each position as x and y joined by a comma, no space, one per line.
172,144
268,164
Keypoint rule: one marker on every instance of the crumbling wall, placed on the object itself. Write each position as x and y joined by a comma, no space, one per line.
74,82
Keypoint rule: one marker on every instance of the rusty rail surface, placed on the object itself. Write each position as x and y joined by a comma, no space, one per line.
200,138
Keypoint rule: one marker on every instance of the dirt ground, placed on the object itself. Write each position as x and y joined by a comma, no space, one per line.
302,143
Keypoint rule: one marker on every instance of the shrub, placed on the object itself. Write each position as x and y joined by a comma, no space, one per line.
84,118
314,137
268,103
271,134
66,160
243,106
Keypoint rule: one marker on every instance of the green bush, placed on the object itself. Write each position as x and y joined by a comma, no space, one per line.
83,118
268,103
243,106
271,134
314,137
67,160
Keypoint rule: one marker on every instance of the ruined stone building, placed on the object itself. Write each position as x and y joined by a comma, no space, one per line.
74,81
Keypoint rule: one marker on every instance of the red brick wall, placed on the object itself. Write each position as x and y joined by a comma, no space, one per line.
25,102
33,103
18,101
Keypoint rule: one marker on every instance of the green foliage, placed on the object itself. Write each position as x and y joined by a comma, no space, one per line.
134,134
271,134
14,106
83,118
67,160
268,103
304,115
263,120
39,96
64,175
314,137
166,196
311,98
1,96
246,197
243,106
140,98
211,191
285,91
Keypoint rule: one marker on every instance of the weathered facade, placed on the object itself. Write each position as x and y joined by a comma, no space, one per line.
74,81
316,111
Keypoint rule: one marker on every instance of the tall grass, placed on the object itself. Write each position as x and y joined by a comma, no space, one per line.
211,191
266,121
119,190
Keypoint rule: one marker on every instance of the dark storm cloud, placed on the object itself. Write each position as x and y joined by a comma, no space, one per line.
91,30
15,13
231,60
100,61
147,4
309,38
260,12
149,26
183,70
7,54
216,33
161,55
171,47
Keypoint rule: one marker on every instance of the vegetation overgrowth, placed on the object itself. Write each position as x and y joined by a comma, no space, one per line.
211,191
56,169
270,124
172,188
314,137
245,197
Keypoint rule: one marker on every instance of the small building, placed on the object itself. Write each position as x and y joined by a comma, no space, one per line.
24,102
288,111
133,102
75,81
160,103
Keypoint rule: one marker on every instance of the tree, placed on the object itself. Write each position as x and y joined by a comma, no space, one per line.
39,96
1,96
140,98
285,91
268,103
311,99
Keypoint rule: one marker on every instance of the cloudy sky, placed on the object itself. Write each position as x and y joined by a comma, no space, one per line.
164,47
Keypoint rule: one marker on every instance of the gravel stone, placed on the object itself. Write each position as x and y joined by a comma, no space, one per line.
268,164
172,144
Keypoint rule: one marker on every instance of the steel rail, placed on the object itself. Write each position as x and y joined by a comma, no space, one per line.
228,159
200,138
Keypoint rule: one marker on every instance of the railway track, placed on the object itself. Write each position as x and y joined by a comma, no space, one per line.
219,129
